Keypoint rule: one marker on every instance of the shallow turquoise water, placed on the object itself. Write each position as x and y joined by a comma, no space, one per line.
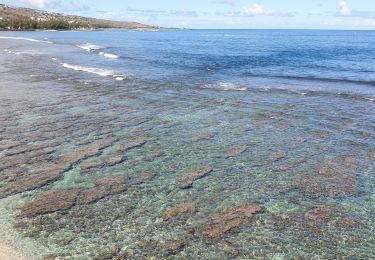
305,150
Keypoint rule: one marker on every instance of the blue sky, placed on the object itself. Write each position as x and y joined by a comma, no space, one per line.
241,14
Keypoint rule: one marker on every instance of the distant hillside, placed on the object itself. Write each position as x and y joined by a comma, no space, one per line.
15,18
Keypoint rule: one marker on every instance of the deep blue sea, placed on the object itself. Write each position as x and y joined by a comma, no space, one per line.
327,61
188,144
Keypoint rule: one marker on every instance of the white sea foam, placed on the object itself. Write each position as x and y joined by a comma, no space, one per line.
226,86
97,71
89,47
23,39
109,55
230,86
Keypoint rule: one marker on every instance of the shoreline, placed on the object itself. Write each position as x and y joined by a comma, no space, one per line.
8,252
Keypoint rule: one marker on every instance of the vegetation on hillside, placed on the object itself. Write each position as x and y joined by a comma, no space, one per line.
14,18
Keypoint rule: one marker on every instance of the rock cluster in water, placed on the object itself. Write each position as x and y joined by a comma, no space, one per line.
229,219
187,180
57,200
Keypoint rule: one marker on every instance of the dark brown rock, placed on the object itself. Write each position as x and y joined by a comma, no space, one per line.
229,219
235,151
189,178
51,201
183,209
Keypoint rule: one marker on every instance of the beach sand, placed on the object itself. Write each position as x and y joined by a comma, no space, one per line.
7,252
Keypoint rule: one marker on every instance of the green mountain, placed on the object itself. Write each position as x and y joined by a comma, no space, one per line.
16,18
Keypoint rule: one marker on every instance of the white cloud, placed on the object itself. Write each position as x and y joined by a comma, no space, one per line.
154,12
255,10
344,8
225,2
36,3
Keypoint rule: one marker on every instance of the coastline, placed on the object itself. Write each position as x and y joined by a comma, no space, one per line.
272,120
8,252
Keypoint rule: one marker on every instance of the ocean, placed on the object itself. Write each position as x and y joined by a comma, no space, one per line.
188,144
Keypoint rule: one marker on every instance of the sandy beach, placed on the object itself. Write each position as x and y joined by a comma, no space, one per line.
7,252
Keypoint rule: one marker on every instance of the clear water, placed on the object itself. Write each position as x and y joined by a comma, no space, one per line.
301,101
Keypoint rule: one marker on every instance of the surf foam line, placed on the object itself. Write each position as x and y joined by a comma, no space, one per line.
89,47
227,86
24,39
97,71
108,55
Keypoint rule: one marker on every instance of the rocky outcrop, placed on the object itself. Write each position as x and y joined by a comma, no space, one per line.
51,201
229,219
189,178
183,209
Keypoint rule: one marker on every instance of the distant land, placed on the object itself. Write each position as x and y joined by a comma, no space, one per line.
17,18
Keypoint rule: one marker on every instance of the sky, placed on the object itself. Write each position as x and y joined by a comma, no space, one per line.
228,14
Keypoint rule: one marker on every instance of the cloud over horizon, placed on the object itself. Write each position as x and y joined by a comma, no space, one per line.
255,10
288,14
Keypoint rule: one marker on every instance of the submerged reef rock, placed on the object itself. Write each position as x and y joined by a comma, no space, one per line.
203,137
274,157
173,247
235,151
46,174
51,201
50,172
331,179
111,161
183,209
142,178
88,150
319,215
103,188
189,178
134,143
107,186
229,219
